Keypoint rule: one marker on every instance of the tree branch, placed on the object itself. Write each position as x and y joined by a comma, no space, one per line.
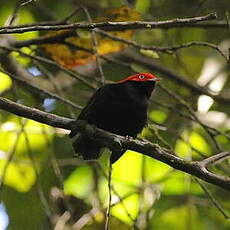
40,91
35,114
166,49
109,26
114,142
215,158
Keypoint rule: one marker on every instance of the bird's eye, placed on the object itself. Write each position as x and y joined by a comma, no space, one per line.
141,77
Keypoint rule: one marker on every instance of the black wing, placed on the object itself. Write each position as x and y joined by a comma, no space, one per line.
100,99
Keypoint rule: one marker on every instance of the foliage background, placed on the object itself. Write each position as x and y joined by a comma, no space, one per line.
44,187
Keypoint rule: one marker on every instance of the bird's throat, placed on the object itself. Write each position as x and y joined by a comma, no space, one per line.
145,88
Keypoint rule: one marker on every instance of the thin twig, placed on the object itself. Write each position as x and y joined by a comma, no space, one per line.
41,91
41,194
107,220
71,73
68,17
189,117
56,86
212,199
189,108
215,158
10,157
227,19
95,46
121,199
168,49
19,5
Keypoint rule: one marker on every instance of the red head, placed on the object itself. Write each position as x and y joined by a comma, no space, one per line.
141,77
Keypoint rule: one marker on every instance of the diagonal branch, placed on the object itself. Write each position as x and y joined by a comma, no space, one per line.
40,91
112,141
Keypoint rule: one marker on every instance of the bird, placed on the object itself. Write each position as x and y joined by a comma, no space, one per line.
120,108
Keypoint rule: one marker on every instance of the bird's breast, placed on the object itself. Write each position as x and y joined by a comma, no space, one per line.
124,117
125,112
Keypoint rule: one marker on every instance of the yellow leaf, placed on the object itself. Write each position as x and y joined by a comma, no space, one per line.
71,55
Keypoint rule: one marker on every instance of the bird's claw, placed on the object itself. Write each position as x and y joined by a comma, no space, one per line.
118,145
128,138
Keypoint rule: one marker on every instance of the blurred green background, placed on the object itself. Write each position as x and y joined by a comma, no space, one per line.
44,187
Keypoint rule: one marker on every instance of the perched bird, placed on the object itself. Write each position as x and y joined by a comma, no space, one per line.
119,108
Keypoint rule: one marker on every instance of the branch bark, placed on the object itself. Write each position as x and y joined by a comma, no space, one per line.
114,142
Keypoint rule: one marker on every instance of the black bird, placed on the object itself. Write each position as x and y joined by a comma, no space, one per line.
119,108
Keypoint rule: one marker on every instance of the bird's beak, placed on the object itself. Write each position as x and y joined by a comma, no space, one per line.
155,79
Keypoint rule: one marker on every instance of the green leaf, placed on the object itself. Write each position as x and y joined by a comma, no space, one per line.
183,149
143,6
131,174
80,182
25,16
198,142
155,170
131,208
149,53
20,176
5,82
22,59
178,183
20,171
158,116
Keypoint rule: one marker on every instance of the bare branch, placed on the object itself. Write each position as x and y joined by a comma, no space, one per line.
94,41
18,6
109,26
212,199
216,158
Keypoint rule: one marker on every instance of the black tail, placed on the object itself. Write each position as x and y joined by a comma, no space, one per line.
115,156
86,147
91,150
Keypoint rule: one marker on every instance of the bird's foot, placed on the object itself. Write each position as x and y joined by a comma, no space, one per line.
118,145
